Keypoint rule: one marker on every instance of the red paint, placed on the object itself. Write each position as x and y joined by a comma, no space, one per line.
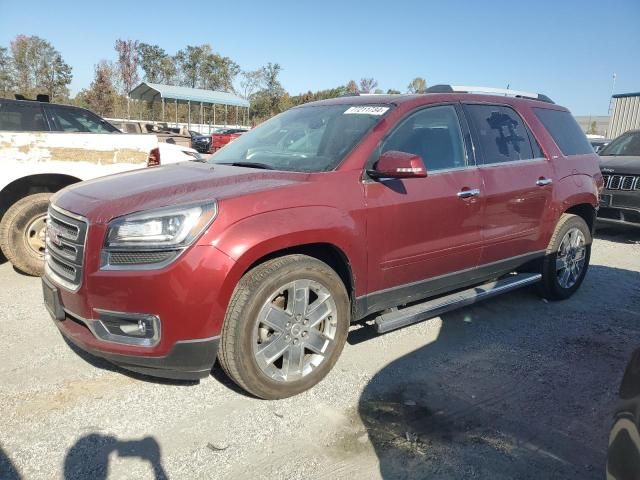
219,140
391,233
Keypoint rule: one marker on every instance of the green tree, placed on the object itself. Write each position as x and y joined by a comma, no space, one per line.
417,85
39,68
593,128
190,62
367,85
101,96
391,91
157,65
272,86
219,73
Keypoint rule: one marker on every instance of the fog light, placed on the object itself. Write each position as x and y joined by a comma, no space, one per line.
128,328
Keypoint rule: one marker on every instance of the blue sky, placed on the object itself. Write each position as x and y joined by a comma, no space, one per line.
567,49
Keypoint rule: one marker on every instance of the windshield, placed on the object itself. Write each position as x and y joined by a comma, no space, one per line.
303,139
627,144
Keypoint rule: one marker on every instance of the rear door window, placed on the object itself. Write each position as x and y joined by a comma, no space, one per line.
22,116
500,134
565,131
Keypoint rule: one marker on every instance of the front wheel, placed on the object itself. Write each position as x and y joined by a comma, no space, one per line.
567,258
285,327
22,233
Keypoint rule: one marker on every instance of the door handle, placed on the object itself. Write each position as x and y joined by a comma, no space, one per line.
541,182
469,193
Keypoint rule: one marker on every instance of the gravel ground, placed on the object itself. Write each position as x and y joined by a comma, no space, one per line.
511,388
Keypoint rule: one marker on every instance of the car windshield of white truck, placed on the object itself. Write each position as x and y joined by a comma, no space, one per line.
303,139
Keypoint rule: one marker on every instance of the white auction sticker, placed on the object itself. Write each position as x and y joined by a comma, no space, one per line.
367,110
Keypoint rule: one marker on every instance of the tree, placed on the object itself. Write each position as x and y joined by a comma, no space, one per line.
101,95
190,62
128,59
157,65
352,87
251,80
39,68
6,72
417,85
593,128
367,85
272,87
391,91
219,73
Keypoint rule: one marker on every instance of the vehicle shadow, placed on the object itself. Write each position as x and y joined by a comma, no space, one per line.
89,456
7,470
103,364
619,234
484,400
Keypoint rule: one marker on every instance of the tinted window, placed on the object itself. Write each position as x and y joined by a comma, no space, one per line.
500,133
22,117
434,134
627,144
78,120
565,131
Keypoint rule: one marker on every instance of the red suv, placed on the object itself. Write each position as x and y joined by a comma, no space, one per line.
384,208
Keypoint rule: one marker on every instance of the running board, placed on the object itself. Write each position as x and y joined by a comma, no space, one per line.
437,306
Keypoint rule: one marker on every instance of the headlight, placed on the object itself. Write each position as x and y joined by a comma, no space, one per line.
154,238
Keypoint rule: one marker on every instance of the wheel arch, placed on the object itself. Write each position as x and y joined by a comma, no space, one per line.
586,211
38,183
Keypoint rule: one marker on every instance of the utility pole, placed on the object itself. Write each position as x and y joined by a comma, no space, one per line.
613,88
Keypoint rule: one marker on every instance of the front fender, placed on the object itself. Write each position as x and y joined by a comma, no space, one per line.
255,237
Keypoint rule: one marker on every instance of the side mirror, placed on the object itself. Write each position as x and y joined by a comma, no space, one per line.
394,164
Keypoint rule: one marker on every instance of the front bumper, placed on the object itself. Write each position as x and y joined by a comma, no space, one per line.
188,299
618,216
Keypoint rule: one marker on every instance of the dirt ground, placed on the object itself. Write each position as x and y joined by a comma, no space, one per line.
511,388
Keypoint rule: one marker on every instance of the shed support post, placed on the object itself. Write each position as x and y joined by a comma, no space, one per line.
236,115
226,116
214,114
201,115
189,117
176,113
163,109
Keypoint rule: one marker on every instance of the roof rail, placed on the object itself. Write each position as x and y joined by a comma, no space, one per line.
488,90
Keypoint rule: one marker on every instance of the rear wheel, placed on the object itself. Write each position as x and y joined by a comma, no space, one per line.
285,327
567,259
22,233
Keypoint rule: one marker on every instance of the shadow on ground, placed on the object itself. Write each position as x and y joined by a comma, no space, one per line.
619,234
509,389
8,471
89,456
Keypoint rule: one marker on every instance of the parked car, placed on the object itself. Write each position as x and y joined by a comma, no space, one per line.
623,456
202,143
620,165
45,147
220,139
599,143
177,136
388,208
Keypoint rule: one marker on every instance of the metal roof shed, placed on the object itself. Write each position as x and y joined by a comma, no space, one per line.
626,114
154,92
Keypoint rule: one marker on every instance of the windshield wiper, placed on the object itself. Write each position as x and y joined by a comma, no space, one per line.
263,166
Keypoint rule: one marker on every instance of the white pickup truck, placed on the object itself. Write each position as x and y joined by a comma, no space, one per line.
45,147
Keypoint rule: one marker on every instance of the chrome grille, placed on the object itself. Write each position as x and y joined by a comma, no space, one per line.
621,182
66,235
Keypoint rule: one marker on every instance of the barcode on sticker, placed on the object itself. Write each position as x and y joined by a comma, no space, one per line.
367,110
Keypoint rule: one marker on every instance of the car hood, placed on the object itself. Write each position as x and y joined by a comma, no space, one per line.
105,198
629,165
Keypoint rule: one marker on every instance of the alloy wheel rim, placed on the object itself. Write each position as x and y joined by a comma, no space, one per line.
35,234
295,330
571,258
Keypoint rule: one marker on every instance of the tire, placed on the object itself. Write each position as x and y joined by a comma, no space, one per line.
263,294
22,234
570,228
